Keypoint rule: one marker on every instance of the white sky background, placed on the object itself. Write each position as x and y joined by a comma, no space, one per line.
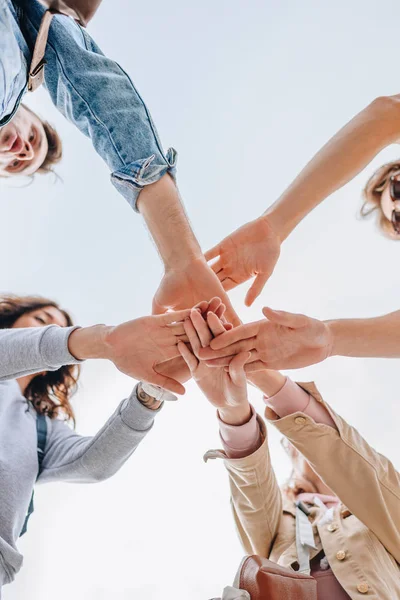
246,92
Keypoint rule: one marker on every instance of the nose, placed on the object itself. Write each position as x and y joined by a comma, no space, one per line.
26,152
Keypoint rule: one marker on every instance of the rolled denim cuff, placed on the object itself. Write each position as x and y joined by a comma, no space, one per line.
131,179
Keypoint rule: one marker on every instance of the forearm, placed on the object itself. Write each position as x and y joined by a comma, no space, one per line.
284,397
377,337
339,161
168,224
24,351
70,457
365,481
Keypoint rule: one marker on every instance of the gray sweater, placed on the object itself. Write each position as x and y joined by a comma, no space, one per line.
68,456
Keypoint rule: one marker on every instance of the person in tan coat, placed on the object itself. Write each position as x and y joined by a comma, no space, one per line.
350,492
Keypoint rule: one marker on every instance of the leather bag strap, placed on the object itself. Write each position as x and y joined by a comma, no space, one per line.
36,70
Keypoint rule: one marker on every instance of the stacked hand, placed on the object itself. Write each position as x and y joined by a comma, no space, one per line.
225,388
188,285
281,341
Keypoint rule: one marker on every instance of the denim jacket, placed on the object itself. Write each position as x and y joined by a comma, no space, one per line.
89,89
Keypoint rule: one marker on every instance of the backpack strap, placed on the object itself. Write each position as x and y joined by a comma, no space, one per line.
41,431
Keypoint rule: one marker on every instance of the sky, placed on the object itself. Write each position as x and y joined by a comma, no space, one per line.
246,92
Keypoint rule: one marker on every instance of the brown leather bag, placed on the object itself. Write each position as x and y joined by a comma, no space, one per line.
265,580
81,10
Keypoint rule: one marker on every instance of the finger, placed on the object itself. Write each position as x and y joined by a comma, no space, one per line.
220,311
215,324
202,306
282,317
183,338
214,304
236,370
228,284
166,383
258,365
225,360
230,313
213,252
238,333
176,328
218,266
176,316
228,326
201,328
194,340
188,357
219,362
157,309
241,346
256,289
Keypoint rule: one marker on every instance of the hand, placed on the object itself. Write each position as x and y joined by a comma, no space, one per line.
176,368
226,389
282,341
251,251
136,347
181,288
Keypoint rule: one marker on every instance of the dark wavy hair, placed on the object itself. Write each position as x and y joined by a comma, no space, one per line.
50,394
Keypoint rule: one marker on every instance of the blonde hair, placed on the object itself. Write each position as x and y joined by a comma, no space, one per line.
372,193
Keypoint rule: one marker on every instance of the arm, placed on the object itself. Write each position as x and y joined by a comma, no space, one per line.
377,337
77,459
126,138
290,341
364,480
339,161
32,350
135,347
256,498
12,64
253,249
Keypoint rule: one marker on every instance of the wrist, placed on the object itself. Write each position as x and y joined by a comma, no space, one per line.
267,381
337,336
278,221
238,415
184,261
145,399
89,342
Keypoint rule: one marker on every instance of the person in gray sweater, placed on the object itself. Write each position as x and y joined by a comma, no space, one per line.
40,352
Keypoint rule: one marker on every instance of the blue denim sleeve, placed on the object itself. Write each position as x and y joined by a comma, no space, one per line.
12,63
95,94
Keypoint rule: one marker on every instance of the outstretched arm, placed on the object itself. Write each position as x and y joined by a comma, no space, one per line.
74,458
253,249
289,341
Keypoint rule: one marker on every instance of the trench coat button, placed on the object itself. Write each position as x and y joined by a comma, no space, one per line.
332,527
363,588
341,555
300,420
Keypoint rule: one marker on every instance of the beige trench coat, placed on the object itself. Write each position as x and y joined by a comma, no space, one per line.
362,542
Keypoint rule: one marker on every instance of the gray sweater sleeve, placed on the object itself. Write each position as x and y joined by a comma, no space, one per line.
77,459
33,349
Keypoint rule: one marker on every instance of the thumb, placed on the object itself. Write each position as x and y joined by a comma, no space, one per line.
166,383
212,253
157,309
282,317
236,368
256,288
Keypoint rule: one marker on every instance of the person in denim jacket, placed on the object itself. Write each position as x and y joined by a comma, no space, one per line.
98,97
